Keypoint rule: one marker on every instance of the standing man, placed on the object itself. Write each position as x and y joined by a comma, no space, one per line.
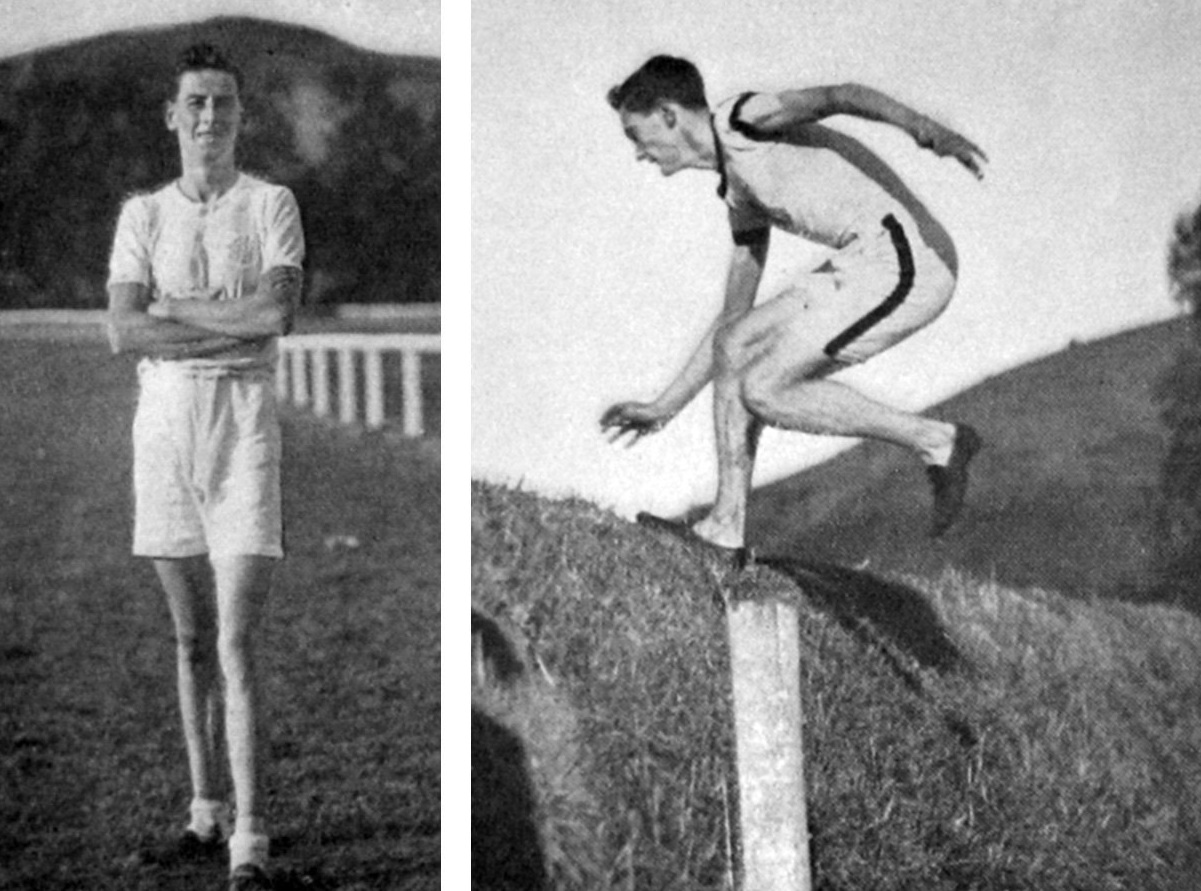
891,271
205,274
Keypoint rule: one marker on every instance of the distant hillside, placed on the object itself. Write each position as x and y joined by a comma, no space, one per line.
1064,495
355,134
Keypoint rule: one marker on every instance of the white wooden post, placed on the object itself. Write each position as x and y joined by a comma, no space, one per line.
320,381
765,661
281,374
413,424
373,376
348,395
300,383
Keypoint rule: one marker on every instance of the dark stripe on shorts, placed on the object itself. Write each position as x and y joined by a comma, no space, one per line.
891,302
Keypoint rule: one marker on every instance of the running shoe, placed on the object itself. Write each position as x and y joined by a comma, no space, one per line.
950,483
249,877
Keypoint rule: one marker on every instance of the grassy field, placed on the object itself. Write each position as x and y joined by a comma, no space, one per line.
962,731
91,756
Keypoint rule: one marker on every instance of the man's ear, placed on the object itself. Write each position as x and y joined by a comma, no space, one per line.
168,114
669,115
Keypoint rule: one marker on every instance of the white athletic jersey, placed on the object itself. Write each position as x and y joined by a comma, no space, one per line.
176,246
813,189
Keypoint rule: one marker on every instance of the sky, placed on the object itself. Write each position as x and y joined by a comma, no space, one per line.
593,277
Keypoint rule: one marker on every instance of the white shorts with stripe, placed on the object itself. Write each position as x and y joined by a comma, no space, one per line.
872,294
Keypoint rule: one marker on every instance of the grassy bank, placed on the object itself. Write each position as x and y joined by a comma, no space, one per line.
91,755
1065,493
960,734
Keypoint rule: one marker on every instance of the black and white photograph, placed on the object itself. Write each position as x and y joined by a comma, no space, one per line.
220,427
835,445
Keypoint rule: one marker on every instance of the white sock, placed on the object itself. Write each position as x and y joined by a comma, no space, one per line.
209,817
248,844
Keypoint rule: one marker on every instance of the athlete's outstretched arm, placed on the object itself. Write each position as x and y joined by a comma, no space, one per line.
267,312
131,329
794,108
742,283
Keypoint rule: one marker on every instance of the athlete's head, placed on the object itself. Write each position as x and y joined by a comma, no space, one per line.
660,79
657,103
202,57
205,107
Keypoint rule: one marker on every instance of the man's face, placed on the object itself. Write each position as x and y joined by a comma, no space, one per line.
206,113
657,138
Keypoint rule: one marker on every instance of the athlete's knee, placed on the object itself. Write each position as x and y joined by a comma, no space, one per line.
762,391
197,649
785,395
731,348
235,652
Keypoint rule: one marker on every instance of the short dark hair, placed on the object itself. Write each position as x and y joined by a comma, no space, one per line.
660,79
203,57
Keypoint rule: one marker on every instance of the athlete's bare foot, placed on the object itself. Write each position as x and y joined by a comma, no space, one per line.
735,557
717,533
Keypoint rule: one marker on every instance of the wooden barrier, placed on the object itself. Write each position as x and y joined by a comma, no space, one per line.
772,814
303,376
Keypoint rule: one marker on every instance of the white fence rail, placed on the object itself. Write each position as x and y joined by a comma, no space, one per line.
304,376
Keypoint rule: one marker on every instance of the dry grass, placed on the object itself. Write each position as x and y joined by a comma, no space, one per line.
960,734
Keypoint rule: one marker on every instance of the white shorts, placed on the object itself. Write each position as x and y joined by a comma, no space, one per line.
873,294
206,448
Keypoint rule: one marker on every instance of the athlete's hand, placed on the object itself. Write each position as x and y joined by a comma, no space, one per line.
946,143
637,418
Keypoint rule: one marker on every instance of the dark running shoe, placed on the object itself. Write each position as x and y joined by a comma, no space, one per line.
734,558
950,483
188,848
249,877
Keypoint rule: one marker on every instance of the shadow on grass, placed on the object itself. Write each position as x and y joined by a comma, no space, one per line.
497,654
505,852
869,606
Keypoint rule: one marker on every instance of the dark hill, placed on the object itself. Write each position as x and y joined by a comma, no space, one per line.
1064,496
355,134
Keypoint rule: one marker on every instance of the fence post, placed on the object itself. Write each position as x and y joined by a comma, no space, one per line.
320,381
282,391
300,381
347,390
373,375
410,378
773,822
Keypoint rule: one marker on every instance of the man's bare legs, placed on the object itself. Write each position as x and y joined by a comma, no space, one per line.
243,584
765,375
736,432
187,585
215,636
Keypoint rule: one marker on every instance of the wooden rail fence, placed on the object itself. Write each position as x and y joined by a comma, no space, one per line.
304,375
